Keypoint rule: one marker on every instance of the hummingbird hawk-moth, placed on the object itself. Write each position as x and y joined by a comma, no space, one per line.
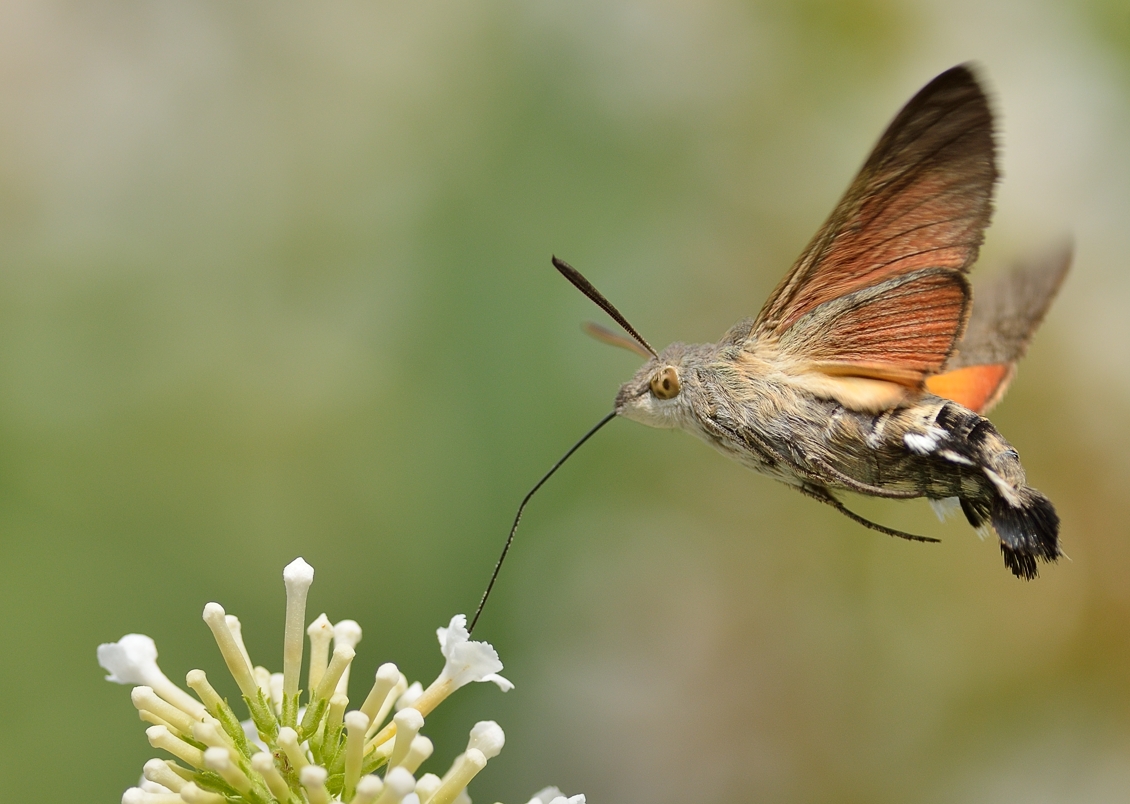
870,366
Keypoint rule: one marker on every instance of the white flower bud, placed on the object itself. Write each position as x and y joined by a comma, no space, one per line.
297,577
487,736
398,784
409,696
321,634
368,788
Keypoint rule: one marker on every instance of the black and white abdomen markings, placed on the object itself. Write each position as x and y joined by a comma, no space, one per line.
962,455
939,450
959,439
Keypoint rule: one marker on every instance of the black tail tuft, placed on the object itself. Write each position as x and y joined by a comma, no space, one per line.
1021,564
1027,532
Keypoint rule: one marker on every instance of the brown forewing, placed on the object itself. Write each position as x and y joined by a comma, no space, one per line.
922,200
901,330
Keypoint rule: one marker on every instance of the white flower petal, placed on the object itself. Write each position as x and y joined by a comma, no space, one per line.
130,660
456,631
504,684
468,661
551,795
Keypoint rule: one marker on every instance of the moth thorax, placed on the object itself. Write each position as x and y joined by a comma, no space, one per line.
665,383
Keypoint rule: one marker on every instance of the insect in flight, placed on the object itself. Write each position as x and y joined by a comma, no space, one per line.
869,367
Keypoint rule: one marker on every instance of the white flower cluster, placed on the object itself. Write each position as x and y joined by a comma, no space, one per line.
312,753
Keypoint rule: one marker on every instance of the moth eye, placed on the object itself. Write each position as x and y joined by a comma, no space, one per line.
665,383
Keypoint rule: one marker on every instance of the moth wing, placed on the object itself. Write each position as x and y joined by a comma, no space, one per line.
1008,309
1006,314
901,330
975,387
607,336
921,200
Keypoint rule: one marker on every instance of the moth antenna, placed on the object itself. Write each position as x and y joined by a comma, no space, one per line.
605,335
586,287
522,506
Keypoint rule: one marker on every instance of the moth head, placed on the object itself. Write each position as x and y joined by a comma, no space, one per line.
660,393
656,395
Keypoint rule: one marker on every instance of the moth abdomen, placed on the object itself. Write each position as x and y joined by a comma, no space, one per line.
1024,519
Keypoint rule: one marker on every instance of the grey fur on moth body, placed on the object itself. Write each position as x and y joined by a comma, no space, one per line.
739,397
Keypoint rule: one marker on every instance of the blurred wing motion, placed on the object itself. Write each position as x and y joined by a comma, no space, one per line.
607,336
1006,313
880,292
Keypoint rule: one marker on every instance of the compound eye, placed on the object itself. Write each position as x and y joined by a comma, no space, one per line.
665,383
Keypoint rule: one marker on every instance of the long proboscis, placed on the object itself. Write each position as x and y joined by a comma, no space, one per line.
586,287
522,507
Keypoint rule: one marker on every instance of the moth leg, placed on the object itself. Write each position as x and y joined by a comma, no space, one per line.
860,487
823,495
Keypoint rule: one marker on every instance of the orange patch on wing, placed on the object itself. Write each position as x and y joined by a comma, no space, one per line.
975,387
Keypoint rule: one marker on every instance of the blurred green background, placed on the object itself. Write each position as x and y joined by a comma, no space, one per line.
275,281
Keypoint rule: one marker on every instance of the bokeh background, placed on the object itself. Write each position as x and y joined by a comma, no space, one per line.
275,281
